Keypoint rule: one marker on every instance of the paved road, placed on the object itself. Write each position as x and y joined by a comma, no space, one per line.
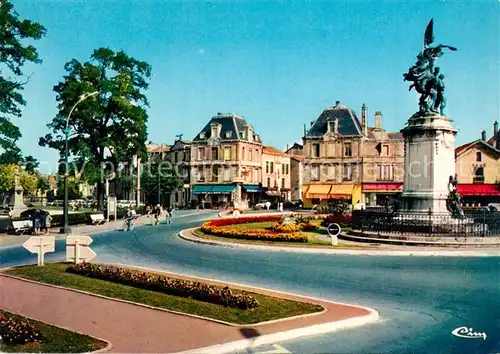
420,299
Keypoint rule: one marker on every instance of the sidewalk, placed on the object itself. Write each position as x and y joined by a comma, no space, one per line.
10,240
134,329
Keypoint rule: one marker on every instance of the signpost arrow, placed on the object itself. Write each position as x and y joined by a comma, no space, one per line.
77,249
334,230
277,349
40,245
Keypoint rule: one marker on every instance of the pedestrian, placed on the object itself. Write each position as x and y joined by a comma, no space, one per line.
48,222
37,222
128,219
157,213
168,215
148,210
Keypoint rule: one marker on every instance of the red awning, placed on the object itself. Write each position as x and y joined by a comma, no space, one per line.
478,189
393,187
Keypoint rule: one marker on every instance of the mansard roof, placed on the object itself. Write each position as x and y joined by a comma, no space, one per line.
349,124
232,128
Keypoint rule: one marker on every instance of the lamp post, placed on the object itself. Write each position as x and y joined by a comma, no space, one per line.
65,229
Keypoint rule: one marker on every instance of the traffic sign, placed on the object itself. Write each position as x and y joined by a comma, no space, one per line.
334,230
40,245
77,249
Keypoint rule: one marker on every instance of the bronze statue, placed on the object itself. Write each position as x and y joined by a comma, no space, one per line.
453,202
427,80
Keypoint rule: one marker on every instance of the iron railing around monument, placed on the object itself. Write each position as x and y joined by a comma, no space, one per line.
480,223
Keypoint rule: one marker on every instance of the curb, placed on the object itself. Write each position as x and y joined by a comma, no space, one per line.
287,335
418,253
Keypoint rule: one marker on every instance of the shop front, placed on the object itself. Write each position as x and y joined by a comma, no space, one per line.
378,194
322,194
253,193
213,195
476,195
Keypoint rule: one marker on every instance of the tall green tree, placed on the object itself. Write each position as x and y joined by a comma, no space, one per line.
30,164
14,54
43,185
111,127
157,177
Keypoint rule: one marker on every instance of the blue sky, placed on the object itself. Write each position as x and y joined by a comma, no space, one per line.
279,64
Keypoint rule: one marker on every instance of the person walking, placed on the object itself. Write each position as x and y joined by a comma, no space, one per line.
168,215
37,223
157,213
128,219
48,222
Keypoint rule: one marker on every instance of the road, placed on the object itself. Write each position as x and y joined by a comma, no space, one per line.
421,300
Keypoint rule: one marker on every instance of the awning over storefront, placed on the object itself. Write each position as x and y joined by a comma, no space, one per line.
318,191
273,193
478,190
343,191
213,189
383,187
251,188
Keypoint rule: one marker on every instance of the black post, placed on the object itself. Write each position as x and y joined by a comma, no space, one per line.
65,229
484,221
158,187
430,222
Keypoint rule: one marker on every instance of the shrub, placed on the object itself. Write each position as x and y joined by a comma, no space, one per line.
177,287
287,227
309,227
343,220
14,332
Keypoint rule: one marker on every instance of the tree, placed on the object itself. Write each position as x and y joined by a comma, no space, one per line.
73,189
43,185
13,56
156,175
30,164
111,127
7,179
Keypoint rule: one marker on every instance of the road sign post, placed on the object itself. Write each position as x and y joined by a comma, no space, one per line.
77,249
40,245
334,230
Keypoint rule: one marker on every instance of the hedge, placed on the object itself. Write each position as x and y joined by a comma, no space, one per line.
177,287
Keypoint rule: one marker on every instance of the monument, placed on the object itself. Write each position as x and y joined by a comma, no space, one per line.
16,203
429,136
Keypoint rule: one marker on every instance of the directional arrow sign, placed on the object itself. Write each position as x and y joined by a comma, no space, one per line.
277,349
77,249
40,245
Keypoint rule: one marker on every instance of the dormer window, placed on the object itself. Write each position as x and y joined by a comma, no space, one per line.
229,134
202,135
331,127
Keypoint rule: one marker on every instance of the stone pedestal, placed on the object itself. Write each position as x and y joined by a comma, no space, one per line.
16,202
429,162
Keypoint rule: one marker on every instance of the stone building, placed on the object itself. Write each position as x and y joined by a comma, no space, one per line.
477,166
180,158
346,159
276,173
226,159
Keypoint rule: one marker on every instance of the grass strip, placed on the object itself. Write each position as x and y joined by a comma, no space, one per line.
270,308
55,340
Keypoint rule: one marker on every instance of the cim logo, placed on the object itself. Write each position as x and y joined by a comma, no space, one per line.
468,332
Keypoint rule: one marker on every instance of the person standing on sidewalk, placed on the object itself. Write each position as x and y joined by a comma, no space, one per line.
128,219
168,215
48,222
157,213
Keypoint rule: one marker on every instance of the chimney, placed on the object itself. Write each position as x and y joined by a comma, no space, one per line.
337,103
495,128
483,135
305,132
336,126
378,120
363,119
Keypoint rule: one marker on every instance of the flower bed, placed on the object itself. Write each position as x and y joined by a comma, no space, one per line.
14,332
215,227
177,287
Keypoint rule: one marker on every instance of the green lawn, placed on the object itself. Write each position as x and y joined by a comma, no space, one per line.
56,340
270,308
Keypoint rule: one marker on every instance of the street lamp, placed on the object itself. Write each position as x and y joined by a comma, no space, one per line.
65,229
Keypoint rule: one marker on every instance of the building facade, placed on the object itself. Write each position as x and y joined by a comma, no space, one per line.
180,158
346,159
225,163
276,173
478,170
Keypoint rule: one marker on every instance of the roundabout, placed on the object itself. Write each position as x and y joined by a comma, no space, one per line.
421,300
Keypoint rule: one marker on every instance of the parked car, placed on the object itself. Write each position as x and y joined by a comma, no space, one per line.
262,205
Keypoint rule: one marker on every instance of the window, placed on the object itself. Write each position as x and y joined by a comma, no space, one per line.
315,173
272,167
385,150
229,134
479,156
347,172
201,154
201,177
331,127
227,153
215,173
316,201
250,154
347,149
268,182
267,166
385,172
478,175
227,174
287,169
243,153
315,150
202,135
283,183
330,174
215,153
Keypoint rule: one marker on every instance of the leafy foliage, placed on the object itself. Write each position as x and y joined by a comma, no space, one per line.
109,128
30,163
7,179
177,287
13,55
73,189
156,175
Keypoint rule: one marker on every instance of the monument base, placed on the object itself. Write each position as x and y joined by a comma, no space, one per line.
429,162
16,203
